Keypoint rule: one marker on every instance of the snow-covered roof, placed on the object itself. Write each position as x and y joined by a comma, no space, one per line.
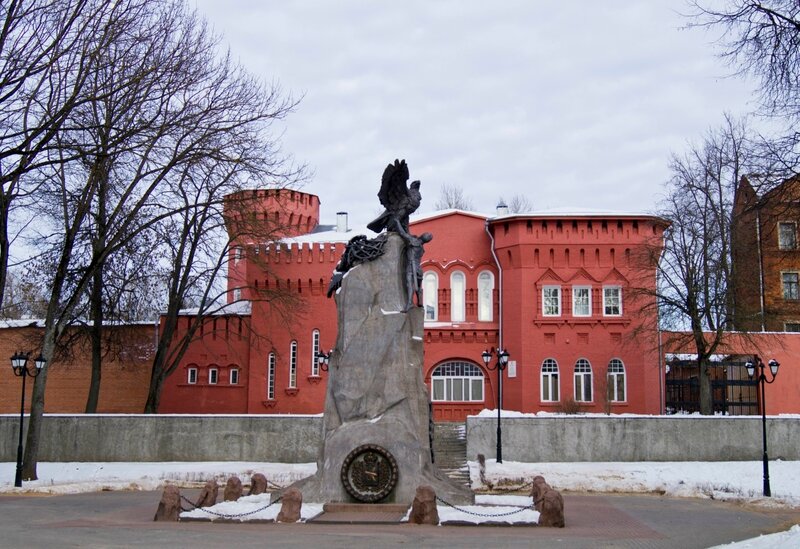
243,307
574,212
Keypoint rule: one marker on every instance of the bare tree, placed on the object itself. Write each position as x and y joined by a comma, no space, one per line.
519,203
47,50
452,197
695,270
199,108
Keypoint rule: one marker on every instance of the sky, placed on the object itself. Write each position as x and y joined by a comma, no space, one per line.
572,104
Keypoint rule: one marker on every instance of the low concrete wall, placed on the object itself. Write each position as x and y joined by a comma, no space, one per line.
296,439
614,438
283,439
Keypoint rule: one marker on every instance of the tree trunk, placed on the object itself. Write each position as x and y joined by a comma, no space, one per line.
96,334
706,401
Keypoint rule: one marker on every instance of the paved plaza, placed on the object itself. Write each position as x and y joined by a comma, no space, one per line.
125,519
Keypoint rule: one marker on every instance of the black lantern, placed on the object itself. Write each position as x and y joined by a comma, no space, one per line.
761,381
19,365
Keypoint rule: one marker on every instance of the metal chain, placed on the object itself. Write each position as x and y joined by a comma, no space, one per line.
488,515
223,515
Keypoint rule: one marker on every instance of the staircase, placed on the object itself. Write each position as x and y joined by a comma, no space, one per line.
450,450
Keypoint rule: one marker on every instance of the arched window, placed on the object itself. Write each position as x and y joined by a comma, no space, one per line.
616,380
314,352
458,287
549,380
457,382
583,381
485,294
271,377
293,365
430,295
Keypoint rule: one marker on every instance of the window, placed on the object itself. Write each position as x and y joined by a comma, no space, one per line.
271,377
581,301
583,381
791,327
616,380
612,301
237,294
790,286
787,236
314,352
293,365
234,379
549,380
485,296
192,376
430,296
238,252
551,301
458,287
457,382
212,376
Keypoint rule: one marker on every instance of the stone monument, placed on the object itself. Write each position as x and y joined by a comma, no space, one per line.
376,446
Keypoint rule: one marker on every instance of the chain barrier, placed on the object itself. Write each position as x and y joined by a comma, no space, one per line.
223,515
488,515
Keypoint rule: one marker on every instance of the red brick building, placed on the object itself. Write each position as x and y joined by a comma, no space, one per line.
126,369
766,257
555,289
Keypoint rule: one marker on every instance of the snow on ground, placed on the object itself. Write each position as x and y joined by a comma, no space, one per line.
77,477
722,480
739,481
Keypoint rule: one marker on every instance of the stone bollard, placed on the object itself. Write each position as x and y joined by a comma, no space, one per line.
551,512
208,496
548,502
292,501
233,489
258,485
169,508
423,509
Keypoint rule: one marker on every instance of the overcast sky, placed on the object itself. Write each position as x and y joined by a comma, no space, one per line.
575,104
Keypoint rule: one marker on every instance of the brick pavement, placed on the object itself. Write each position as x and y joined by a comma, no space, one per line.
125,519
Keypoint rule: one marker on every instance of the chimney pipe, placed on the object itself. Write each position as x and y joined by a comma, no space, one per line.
341,222
502,209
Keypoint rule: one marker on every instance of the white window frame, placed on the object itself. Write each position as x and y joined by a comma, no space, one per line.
545,298
795,283
550,386
457,381
238,253
237,294
213,376
458,295
606,300
314,353
485,296
191,376
588,290
293,365
430,296
794,323
782,244
233,378
271,366
582,381
616,370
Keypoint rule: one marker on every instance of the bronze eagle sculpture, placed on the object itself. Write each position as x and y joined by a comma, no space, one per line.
399,200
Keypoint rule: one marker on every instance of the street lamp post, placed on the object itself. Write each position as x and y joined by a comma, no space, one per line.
762,380
19,364
500,365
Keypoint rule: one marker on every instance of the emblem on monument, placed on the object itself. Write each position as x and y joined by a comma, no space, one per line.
369,473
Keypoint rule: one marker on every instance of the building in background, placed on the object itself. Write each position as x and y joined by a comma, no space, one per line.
766,258
556,289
